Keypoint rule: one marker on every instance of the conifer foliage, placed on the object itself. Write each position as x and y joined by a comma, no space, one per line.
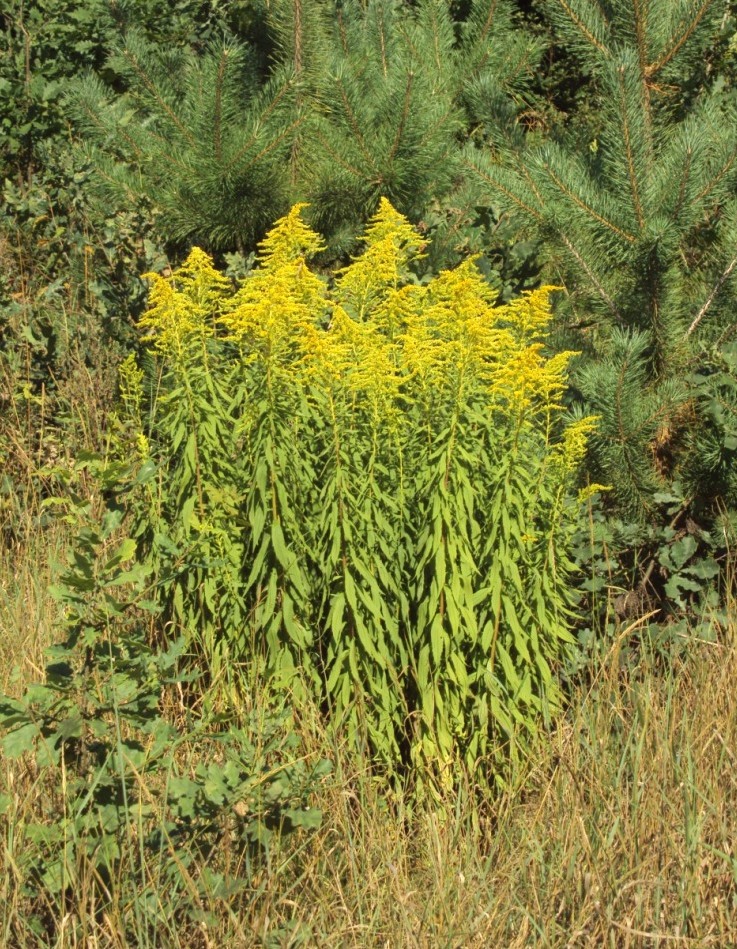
202,137
641,226
359,100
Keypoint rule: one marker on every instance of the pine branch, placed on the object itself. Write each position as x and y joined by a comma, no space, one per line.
686,173
624,436
712,296
436,48
403,117
489,22
342,32
95,122
579,202
263,118
355,127
596,282
298,38
157,97
632,173
640,14
587,32
640,18
689,27
336,156
721,174
218,116
482,39
498,186
382,41
268,148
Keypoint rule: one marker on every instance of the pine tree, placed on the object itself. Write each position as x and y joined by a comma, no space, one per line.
392,107
203,138
361,99
641,226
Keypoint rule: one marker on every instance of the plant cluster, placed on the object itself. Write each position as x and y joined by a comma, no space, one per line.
366,489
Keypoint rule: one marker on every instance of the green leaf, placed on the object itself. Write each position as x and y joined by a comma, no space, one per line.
437,639
350,591
307,818
704,569
279,545
125,551
20,740
70,727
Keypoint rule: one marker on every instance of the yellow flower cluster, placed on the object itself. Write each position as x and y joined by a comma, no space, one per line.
391,244
572,446
452,335
375,335
182,307
130,380
356,357
282,299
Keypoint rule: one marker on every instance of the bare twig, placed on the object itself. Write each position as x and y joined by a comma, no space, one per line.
712,296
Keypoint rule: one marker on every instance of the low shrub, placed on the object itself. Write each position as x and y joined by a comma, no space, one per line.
126,782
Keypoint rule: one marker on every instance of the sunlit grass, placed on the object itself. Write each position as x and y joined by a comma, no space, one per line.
620,831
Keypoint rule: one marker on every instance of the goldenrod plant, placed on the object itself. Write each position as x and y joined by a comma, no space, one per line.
366,491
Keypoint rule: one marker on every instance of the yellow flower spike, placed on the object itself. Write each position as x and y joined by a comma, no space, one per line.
530,313
463,291
391,243
200,281
398,307
572,447
452,330
282,297
389,223
365,362
131,384
142,446
290,240
130,381
182,306
590,490
327,353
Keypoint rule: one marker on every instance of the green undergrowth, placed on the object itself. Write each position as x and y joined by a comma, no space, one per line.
620,830
124,761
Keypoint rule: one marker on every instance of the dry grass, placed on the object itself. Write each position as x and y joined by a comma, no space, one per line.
623,832
622,836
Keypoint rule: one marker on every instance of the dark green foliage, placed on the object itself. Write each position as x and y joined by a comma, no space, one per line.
640,225
69,269
70,279
616,388
46,43
210,138
358,101
42,44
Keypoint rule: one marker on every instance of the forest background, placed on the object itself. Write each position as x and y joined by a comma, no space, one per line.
149,795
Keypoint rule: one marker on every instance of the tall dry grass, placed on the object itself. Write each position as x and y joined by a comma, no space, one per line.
621,831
